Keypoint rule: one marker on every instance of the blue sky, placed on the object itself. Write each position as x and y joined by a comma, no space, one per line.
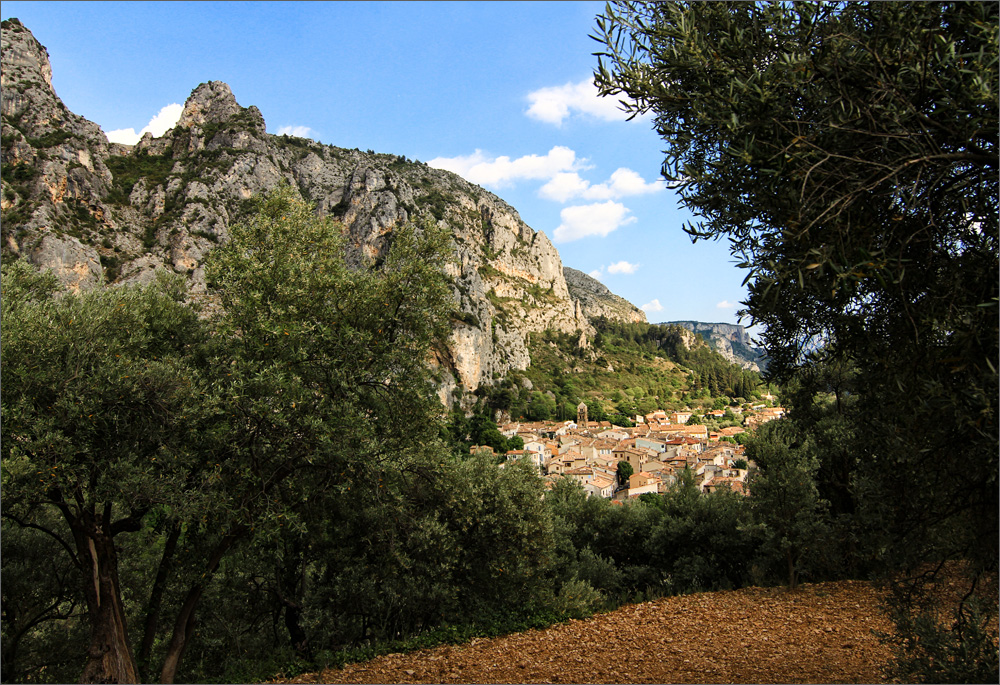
498,92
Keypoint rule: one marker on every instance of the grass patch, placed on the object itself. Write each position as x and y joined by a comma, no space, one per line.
488,627
51,139
18,174
127,171
436,203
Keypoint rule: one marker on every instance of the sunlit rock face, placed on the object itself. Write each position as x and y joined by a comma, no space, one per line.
597,301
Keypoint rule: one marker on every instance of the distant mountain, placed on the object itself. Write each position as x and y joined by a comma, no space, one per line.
730,340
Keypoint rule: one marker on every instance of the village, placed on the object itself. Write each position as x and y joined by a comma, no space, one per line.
657,449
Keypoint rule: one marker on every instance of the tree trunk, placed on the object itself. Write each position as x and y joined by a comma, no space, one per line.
791,568
183,627
184,624
156,600
288,581
109,656
8,657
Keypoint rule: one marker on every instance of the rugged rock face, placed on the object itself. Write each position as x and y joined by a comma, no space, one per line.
598,301
730,340
54,175
99,213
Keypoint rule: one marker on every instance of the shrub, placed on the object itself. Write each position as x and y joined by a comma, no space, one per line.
577,599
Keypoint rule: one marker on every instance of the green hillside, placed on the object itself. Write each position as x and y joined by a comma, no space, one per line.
627,369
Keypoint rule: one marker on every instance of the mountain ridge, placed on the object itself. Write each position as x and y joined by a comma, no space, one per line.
597,300
98,213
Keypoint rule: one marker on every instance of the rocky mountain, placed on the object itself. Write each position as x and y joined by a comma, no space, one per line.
730,340
99,213
598,301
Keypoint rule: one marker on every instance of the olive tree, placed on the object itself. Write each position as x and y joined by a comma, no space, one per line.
323,371
102,405
848,152
124,412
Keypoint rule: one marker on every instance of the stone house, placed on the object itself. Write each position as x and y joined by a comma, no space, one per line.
642,482
600,486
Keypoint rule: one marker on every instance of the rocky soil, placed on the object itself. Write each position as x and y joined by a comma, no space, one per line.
821,633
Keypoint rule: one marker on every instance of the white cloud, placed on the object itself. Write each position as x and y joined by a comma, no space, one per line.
563,186
127,136
653,306
555,103
622,267
503,171
164,120
725,304
585,220
558,167
623,183
297,131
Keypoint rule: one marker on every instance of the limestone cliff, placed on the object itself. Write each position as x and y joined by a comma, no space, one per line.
598,301
54,176
100,213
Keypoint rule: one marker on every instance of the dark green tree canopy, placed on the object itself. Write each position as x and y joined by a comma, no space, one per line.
847,150
625,472
125,414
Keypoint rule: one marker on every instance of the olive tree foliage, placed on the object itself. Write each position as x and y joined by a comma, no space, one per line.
705,541
848,151
103,406
785,499
147,444
849,154
438,543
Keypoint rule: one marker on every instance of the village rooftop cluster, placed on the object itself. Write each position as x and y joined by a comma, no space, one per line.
658,449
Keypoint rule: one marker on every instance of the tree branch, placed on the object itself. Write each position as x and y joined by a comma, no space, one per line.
52,534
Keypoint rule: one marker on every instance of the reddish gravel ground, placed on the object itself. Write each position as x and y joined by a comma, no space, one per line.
820,633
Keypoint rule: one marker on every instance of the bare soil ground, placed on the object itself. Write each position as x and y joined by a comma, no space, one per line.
821,633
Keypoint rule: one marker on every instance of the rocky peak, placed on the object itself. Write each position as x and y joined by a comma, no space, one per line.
24,53
730,340
29,102
55,176
212,103
597,301
27,95
729,331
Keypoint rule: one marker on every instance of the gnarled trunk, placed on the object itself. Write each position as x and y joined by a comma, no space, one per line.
109,656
